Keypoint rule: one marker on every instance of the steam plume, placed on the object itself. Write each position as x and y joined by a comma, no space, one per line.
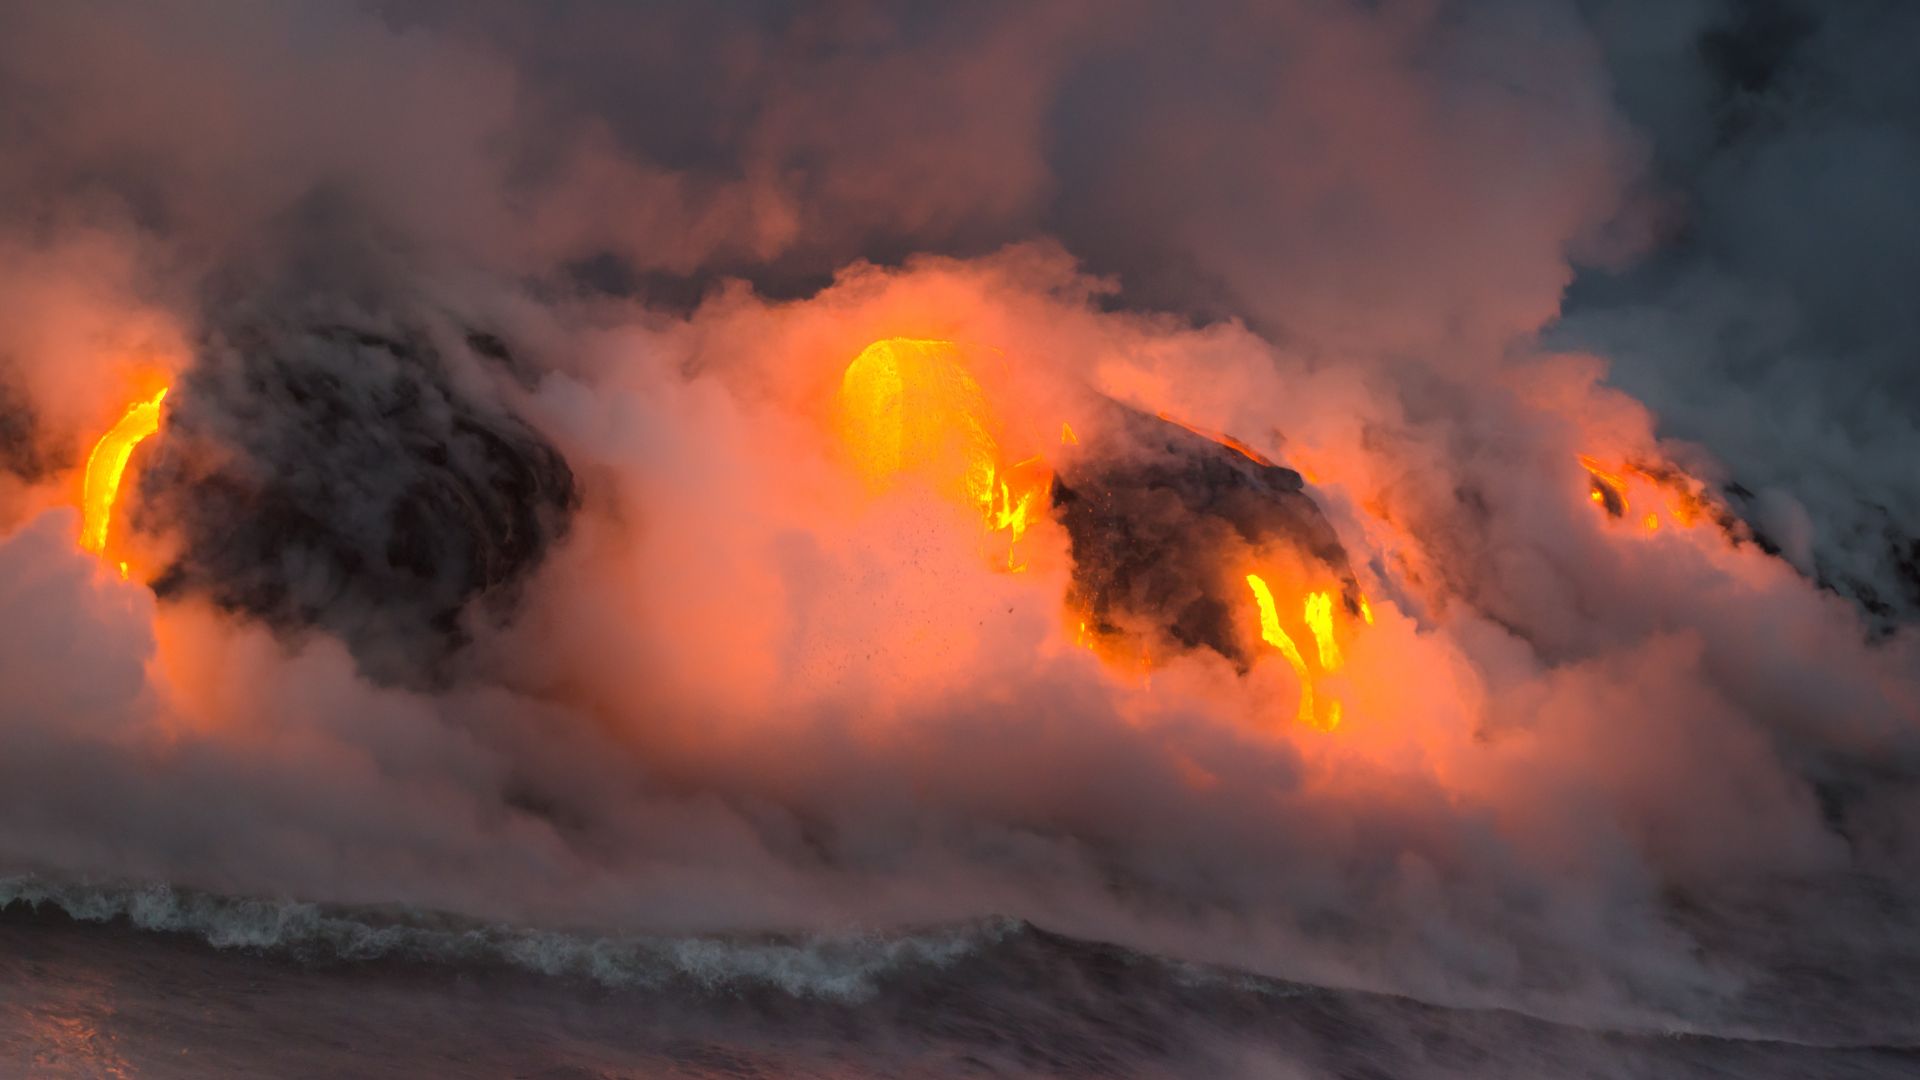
501,553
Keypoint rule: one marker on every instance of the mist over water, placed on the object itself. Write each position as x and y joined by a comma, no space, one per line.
510,630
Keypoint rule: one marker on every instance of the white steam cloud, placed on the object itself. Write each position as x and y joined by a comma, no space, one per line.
1585,769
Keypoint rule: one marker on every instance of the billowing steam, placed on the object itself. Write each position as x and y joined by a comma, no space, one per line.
671,467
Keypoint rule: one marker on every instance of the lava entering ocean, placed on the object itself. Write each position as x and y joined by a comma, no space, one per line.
1132,472
922,629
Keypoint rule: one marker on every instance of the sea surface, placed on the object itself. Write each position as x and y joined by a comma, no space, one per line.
157,983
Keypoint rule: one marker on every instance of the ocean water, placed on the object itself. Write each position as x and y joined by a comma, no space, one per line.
156,983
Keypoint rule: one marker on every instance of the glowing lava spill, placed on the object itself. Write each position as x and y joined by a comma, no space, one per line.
1222,438
1673,495
909,407
1272,633
910,410
106,466
1318,615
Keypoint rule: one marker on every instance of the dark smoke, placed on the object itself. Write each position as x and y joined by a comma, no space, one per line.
1775,321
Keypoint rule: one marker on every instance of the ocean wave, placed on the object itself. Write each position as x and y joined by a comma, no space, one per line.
845,966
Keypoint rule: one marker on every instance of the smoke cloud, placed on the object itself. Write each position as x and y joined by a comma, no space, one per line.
1781,340
505,557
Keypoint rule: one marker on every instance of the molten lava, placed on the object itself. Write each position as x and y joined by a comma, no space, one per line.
1319,616
1317,613
1607,489
1678,497
1222,438
910,408
1273,634
911,411
106,466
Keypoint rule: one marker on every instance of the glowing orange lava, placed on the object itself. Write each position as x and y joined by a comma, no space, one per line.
1222,438
1317,614
1676,496
1273,634
909,407
106,466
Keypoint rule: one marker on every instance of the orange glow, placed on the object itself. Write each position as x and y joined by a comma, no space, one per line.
1675,496
910,411
909,408
1317,708
1319,617
1608,490
1273,634
1223,439
106,466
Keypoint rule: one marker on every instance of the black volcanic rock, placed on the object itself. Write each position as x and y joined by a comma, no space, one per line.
1163,523
354,481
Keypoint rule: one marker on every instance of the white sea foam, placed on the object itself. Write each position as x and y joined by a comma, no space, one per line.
839,966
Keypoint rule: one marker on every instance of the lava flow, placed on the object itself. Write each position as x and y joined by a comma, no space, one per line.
1675,496
909,407
1317,613
1220,437
107,466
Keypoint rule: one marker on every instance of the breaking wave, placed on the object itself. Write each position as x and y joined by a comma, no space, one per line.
835,966
994,996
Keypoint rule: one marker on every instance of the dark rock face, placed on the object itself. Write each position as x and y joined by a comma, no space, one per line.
1164,524
353,481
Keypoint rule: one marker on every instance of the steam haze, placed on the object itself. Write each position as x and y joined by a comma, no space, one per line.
501,553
